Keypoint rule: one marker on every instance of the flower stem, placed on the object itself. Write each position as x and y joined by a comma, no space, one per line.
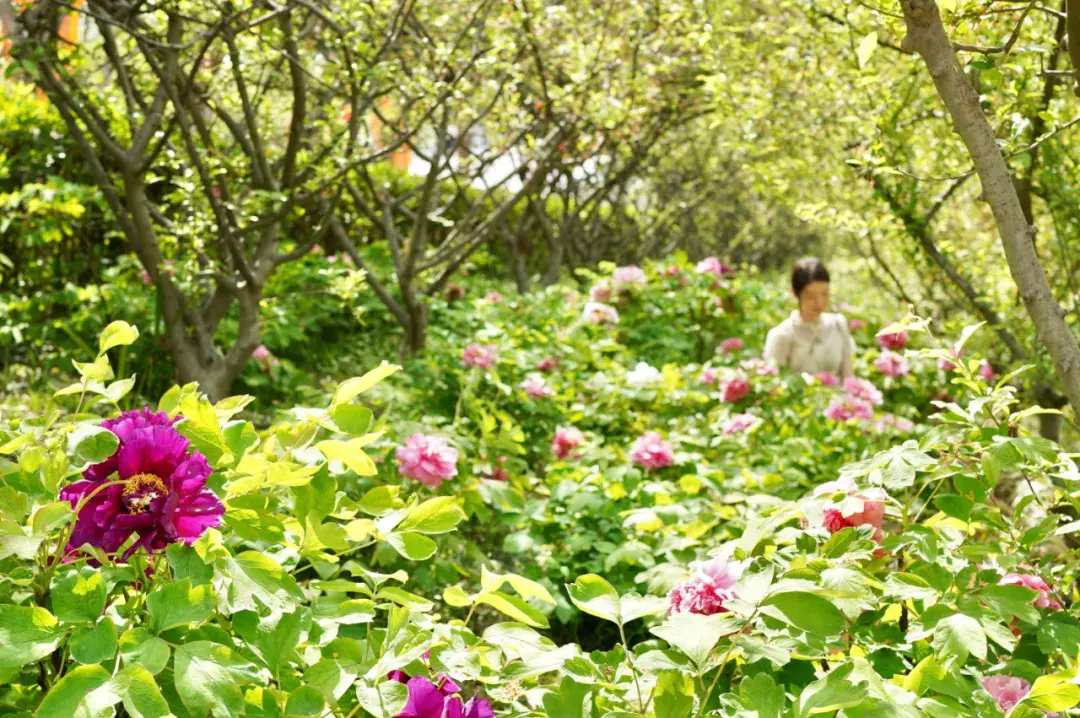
634,670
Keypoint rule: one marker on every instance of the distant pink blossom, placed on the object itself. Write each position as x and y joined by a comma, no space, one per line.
827,378
332,259
712,265
740,424
709,375
733,387
547,364
986,371
673,270
734,344
651,451
864,390
493,298
849,407
895,342
855,325
597,313
479,355
891,364
537,388
630,277
759,366
889,422
146,278
1043,600
565,441
454,292
601,292
711,585
427,459
839,516
264,357
947,365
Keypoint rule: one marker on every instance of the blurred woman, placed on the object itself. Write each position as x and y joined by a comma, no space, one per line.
812,340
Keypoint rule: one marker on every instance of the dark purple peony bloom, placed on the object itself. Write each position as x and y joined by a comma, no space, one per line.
431,700
163,498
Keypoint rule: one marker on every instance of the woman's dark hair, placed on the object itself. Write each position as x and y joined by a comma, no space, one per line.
807,270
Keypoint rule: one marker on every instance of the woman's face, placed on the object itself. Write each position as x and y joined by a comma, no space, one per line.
813,300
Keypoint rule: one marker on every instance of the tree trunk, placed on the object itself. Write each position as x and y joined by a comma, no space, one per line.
927,37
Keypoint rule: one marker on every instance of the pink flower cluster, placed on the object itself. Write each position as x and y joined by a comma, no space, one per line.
864,390
566,440
709,588
741,424
889,422
1008,690
855,325
894,342
1043,600
759,366
599,313
479,355
427,459
827,378
891,364
537,388
849,407
630,277
651,451
601,292
733,387
734,344
839,516
712,265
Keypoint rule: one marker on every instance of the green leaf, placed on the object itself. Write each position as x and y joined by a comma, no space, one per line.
358,385
806,612
403,598
525,587
831,693
455,596
27,634
958,636
513,607
595,596
208,678
908,586
179,604
73,695
380,500
306,701
434,516
1009,601
352,418
116,334
93,444
79,597
761,694
259,580
351,453
695,635
866,48
141,648
185,563
674,694
412,545
1056,692
958,507
274,638
142,697
94,644
383,701
200,425
569,701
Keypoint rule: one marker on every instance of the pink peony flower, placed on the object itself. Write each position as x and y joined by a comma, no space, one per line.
709,375
734,344
428,459
673,270
709,588
537,388
895,342
855,325
630,277
547,364
597,313
741,423
862,389
565,441
651,451
493,298
601,292
841,516
264,357
1006,691
849,407
889,422
891,364
946,365
478,355
759,366
827,378
733,387
986,371
1043,600
712,265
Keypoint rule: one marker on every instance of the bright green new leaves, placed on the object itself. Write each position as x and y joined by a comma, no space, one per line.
805,611
200,425
508,604
179,604
434,516
27,634
209,676
674,694
1057,692
351,453
93,444
274,638
116,334
347,390
79,597
405,529
595,596
257,580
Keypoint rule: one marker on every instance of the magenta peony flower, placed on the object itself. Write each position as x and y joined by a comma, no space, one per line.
894,342
651,451
741,423
986,371
864,390
547,364
855,325
849,407
428,459
565,441
712,265
598,313
1043,600
439,700
601,292
630,277
479,355
711,585
537,388
733,387
1006,691
827,378
891,364
163,499
734,344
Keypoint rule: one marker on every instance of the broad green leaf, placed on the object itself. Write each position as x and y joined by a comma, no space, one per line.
142,697
908,586
380,500
1056,692
694,634
358,385
208,678
958,636
761,694
674,694
412,545
200,424
79,597
595,596
116,334
72,696
94,644
1009,601
274,638
351,418
351,453
806,612
831,693
455,596
383,701
93,444
140,647
179,604
15,541
513,607
434,516
258,580
526,588
403,598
